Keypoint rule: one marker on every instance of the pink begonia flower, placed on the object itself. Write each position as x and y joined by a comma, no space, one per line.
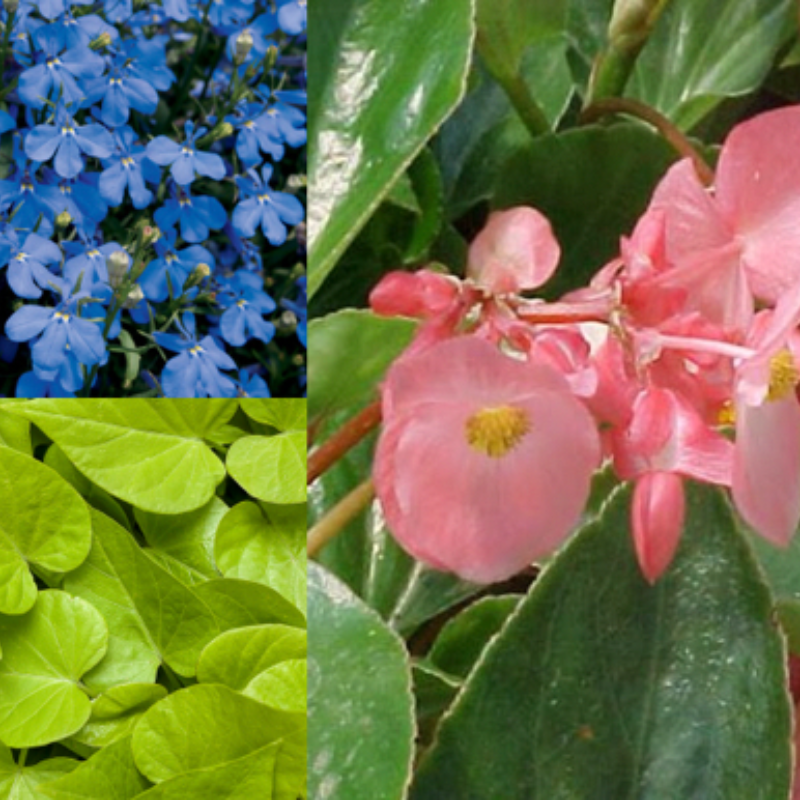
665,441
515,251
743,239
484,463
766,475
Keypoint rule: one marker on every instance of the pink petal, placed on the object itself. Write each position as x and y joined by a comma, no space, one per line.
444,371
766,471
418,294
758,192
516,250
657,515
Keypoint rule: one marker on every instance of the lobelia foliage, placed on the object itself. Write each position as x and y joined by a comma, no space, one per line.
555,404
152,617
151,198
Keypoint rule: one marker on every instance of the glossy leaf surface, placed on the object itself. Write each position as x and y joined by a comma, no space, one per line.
271,468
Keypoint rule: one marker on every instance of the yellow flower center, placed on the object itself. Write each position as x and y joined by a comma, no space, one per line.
496,431
783,375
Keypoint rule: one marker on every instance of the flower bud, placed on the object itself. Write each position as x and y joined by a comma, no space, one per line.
117,264
297,181
63,219
632,21
197,276
135,296
103,40
244,44
289,319
11,6
150,234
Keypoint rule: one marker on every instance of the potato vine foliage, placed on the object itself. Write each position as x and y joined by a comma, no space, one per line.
152,599
152,198
555,480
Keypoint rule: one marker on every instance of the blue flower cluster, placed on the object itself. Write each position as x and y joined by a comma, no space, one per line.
144,246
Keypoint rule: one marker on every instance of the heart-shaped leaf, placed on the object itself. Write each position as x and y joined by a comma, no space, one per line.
285,415
46,652
283,686
271,468
21,783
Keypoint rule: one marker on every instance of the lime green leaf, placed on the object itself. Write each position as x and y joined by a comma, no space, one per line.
45,654
22,783
359,680
149,454
44,523
285,415
271,468
15,433
283,686
189,538
266,545
115,713
208,726
376,98
252,776
237,604
237,656
356,344
703,51
153,618
110,774
625,689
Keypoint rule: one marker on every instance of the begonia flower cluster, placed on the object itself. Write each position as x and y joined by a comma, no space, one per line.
679,361
151,189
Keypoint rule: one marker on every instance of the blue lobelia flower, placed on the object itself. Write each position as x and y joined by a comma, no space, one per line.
62,340
266,208
120,90
7,122
195,372
67,140
29,385
128,169
292,16
184,159
172,267
194,213
87,263
50,9
245,302
283,122
27,263
251,384
82,31
255,134
57,72
79,197
25,193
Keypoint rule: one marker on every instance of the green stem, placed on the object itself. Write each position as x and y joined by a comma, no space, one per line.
522,100
610,74
6,39
112,313
23,757
10,88
186,80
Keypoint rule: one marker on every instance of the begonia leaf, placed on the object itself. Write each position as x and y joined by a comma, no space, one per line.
153,618
237,656
624,688
358,343
362,140
267,545
44,523
208,726
359,680
46,652
149,454
110,774
271,468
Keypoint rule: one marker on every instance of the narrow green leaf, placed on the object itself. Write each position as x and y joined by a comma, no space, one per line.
359,680
625,689
376,98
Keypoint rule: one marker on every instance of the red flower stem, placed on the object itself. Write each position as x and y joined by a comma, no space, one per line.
670,132
565,313
347,437
337,518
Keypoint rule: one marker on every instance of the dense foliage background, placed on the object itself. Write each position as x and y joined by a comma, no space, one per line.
587,682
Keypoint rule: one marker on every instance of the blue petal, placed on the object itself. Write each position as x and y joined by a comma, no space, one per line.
116,109
27,322
112,184
163,151
141,95
95,141
86,341
232,326
183,169
210,164
42,142
289,208
50,351
179,378
34,86
211,211
140,194
246,217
